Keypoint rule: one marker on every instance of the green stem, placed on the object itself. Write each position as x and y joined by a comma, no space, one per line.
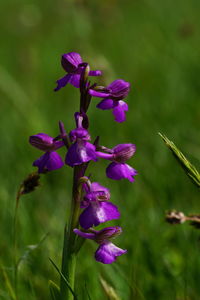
69,251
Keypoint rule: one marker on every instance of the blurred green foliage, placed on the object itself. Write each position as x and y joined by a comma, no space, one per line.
154,45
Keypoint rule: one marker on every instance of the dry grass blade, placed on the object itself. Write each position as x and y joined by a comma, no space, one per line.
109,290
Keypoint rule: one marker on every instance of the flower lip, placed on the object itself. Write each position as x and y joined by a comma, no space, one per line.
80,152
107,253
98,212
119,171
48,162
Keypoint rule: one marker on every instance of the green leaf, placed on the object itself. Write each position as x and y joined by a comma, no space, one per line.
54,290
65,279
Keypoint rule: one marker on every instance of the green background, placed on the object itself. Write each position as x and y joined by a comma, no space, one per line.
155,46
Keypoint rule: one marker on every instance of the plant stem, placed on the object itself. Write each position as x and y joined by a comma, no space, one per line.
69,251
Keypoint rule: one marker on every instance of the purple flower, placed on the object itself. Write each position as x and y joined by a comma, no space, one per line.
97,208
98,212
118,169
81,151
72,63
51,160
107,252
96,187
48,162
112,98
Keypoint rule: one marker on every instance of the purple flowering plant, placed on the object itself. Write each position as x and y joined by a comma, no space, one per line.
91,202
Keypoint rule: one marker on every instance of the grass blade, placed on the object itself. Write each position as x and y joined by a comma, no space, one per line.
189,169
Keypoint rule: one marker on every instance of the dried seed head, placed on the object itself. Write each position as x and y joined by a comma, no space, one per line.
195,221
175,217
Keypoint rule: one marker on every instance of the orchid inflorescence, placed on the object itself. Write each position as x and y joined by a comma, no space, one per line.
95,206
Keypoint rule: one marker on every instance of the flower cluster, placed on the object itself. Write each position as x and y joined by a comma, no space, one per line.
95,204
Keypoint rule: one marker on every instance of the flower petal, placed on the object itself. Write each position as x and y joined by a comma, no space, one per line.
95,73
119,111
98,94
42,141
75,80
70,61
84,235
106,104
54,162
80,152
119,171
96,187
119,88
97,213
48,162
62,82
107,253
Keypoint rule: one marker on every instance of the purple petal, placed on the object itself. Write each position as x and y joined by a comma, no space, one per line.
79,133
80,152
41,162
48,162
75,80
119,171
84,235
81,120
106,104
97,213
42,141
95,73
98,94
107,253
54,162
123,152
70,61
62,82
107,233
119,111
119,88
95,187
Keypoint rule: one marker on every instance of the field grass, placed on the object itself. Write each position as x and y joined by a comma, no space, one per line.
154,45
